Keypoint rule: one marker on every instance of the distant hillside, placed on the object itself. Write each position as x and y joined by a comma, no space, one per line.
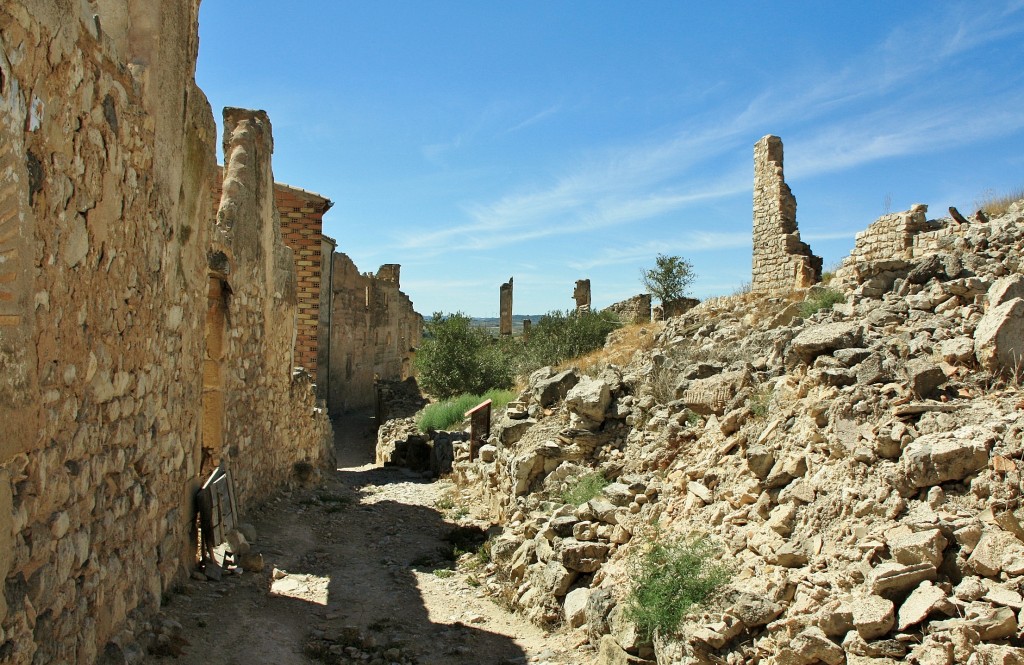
491,323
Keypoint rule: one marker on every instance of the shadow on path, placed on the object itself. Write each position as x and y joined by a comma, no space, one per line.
356,557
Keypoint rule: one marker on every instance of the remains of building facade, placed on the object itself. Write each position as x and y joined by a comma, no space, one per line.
374,332
505,308
141,341
581,294
633,310
781,261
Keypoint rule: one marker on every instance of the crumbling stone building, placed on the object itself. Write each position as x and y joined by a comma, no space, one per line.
781,261
374,333
142,339
632,310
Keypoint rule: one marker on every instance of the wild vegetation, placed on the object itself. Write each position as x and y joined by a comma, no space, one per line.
442,415
671,577
456,358
669,279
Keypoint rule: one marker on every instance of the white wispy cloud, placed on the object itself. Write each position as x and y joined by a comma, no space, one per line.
859,113
535,118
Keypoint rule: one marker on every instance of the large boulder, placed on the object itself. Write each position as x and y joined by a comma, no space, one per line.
999,337
548,386
588,400
937,458
712,395
825,338
1005,289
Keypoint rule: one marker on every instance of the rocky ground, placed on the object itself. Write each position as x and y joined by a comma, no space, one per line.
356,570
856,465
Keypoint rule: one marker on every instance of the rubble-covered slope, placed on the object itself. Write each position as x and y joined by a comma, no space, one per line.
858,466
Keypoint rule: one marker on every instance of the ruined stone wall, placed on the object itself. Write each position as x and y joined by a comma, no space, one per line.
270,420
890,236
633,310
374,333
104,209
302,215
111,276
781,261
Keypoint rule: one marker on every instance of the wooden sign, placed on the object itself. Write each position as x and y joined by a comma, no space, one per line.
479,426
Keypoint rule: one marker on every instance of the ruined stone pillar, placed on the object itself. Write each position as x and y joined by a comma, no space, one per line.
582,295
527,325
781,261
505,308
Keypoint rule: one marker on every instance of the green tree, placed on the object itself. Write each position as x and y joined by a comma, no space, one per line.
669,279
456,358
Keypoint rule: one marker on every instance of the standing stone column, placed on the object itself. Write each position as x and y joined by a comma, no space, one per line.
781,261
505,308
582,295
527,326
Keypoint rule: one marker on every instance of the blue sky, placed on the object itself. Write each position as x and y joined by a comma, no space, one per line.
555,141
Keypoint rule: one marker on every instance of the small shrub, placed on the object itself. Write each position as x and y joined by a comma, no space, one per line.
693,419
455,358
443,572
669,579
761,401
584,488
823,299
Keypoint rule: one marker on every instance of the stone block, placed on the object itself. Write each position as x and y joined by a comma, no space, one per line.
938,458
999,338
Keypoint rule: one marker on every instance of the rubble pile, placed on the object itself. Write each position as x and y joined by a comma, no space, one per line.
858,466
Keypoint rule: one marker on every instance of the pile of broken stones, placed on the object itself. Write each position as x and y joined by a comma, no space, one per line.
859,467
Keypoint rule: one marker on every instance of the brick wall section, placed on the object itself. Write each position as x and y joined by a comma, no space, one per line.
781,261
302,215
891,236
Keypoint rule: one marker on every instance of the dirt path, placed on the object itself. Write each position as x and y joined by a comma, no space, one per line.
360,579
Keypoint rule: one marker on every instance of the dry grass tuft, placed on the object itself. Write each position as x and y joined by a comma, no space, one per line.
619,348
994,204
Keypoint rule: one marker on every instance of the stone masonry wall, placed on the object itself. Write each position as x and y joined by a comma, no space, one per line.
633,310
781,261
891,236
270,420
374,333
105,212
112,278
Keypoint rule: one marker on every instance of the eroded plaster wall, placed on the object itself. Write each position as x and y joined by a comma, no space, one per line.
374,333
112,274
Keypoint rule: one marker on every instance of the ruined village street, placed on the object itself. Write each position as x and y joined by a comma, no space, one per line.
360,551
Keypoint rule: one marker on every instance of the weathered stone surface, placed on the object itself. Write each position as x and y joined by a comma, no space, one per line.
713,394
924,376
912,548
938,458
924,600
873,616
997,551
888,578
547,387
996,654
589,398
574,610
583,557
825,338
999,337
1005,289
812,645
